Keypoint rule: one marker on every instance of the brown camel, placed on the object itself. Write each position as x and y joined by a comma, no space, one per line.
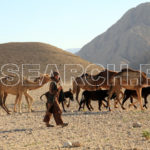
131,80
9,87
92,83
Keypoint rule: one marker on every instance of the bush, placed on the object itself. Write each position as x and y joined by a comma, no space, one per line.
146,134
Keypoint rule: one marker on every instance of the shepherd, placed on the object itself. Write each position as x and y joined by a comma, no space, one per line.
52,104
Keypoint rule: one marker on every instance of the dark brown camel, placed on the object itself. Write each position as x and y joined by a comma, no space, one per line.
92,83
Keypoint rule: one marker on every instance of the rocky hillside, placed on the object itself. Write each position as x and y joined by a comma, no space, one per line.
42,54
127,41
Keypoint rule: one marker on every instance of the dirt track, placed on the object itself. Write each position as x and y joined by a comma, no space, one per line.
94,130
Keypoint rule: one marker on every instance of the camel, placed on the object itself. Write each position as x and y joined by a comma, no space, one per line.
131,80
92,83
7,87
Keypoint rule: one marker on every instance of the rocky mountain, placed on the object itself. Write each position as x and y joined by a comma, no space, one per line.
127,41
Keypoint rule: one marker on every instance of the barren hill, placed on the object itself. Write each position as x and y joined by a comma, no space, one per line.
127,41
39,53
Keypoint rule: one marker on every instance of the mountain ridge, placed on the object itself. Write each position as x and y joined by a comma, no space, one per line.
123,41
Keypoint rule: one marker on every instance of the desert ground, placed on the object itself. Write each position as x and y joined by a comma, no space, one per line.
93,130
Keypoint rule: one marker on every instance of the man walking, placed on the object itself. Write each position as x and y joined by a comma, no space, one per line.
53,104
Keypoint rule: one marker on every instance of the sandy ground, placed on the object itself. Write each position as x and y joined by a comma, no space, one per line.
94,130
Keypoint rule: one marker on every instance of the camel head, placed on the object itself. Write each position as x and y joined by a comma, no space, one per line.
44,78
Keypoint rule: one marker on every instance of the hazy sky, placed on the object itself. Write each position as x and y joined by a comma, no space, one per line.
62,23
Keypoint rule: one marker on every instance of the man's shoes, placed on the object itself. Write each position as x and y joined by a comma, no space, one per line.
49,125
64,125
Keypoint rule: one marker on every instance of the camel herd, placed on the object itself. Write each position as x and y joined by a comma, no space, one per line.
112,81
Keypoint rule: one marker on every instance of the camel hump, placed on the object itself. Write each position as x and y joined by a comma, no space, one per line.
128,69
124,70
131,70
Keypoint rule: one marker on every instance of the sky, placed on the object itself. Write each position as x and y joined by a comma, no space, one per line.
62,23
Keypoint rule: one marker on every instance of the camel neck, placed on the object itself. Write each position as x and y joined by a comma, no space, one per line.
34,85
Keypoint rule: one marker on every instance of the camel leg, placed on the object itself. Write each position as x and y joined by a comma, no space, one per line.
16,101
117,97
31,101
19,102
77,94
111,91
115,103
139,93
3,106
4,102
110,95
27,100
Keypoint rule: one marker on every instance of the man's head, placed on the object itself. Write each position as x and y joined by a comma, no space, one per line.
56,75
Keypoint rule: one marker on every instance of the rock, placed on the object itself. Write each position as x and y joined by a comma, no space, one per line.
76,144
129,133
137,125
67,144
